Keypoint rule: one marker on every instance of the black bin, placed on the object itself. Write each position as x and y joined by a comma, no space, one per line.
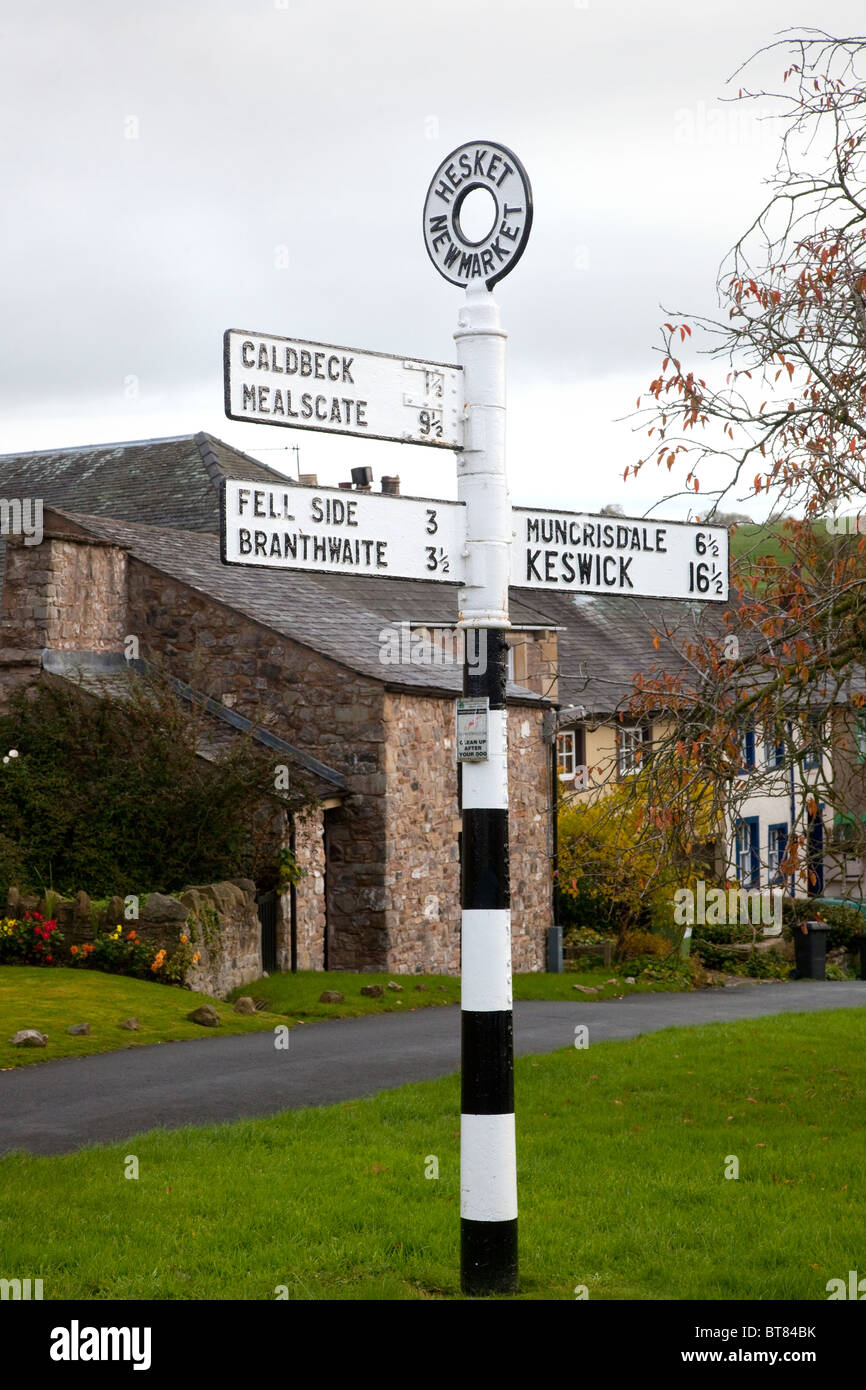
810,950
861,942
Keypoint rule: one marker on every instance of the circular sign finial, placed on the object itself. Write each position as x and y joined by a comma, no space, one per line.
458,257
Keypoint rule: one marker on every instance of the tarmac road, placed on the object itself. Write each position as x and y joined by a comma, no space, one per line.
56,1107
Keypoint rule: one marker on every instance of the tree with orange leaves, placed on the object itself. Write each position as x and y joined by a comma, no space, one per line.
778,413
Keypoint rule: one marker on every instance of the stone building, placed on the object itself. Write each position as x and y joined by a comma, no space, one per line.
131,550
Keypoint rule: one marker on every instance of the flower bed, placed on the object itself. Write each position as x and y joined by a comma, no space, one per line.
29,940
33,939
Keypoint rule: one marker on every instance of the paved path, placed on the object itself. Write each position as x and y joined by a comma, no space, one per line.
56,1107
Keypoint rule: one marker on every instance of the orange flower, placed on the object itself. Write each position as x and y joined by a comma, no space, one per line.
73,950
87,947
130,936
184,939
196,958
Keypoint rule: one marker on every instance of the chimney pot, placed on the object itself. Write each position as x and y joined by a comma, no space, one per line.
391,486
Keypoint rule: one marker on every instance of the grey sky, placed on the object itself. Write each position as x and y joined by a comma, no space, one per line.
174,169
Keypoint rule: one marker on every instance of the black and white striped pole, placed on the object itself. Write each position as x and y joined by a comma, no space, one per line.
488,1169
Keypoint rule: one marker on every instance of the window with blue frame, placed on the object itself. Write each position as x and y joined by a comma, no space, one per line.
777,848
814,732
774,747
860,734
748,852
747,750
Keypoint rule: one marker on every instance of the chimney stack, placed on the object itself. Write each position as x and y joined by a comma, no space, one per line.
362,478
308,480
391,486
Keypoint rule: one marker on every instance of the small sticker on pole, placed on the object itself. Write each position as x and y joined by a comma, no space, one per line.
472,719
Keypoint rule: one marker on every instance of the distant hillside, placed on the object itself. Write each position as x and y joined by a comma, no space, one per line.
757,540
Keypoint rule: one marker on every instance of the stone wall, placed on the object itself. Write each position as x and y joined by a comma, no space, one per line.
421,888
311,917
531,837
223,922
220,919
65,593
422,885
306,699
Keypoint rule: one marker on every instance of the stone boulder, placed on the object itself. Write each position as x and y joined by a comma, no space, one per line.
397,988
333,996
161,911
373,991
244,1005
114,914
132,1024
206,1016
79,1030
29,1037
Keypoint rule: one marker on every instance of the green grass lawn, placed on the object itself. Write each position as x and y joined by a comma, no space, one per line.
33,996
51,1000
298,995
622,1150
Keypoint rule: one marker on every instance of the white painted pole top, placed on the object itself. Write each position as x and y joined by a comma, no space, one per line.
481,480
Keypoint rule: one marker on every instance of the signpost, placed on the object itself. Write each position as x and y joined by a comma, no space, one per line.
618,555
338,390
329,530
481,545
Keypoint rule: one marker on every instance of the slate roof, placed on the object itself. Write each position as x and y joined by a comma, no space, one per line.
164,482
338,616
606,639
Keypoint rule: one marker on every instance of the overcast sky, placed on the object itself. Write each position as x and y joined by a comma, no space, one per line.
173,168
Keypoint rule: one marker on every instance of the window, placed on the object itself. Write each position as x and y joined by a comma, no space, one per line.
814,733
509,670
748,855
860,735
747,750
566,754
630,741
777,848
774,748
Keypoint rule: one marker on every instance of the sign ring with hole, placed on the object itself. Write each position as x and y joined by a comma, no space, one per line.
461,259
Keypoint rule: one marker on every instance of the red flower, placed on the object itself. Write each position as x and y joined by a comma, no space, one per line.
48,960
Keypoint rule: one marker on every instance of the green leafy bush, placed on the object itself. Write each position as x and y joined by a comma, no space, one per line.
637,944
673,970
845,922
717,957
111,792
734,932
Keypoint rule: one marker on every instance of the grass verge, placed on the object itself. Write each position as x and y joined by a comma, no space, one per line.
49,1000
622,1154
